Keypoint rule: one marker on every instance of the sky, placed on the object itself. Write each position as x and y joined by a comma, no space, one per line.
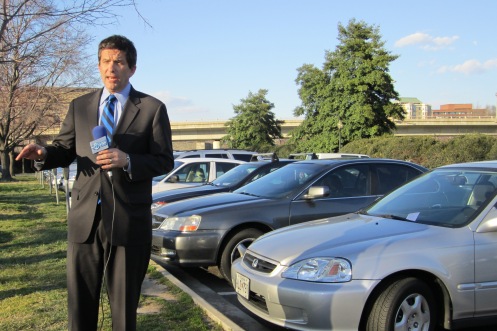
202,57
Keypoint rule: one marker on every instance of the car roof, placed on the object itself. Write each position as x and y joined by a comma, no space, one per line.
208,159
355,160
268,162
217,150
186,153
492,164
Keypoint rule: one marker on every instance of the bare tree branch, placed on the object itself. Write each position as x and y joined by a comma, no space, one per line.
43,64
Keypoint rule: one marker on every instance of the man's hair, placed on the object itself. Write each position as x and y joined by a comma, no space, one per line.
121,43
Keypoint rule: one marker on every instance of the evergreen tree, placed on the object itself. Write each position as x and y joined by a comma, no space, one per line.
351,97
254,126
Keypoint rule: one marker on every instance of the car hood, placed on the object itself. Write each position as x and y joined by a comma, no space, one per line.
185,192
159,187
213,200
331,236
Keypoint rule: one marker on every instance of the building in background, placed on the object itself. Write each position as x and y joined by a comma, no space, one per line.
460,110
415,109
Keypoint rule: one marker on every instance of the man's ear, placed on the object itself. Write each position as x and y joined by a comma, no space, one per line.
133,71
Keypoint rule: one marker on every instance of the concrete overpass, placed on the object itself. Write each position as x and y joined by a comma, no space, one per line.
447,127
207,134
189,135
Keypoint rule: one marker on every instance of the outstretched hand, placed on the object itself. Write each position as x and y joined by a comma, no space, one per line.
32,152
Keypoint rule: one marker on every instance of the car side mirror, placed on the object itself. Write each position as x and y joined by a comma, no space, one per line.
489,223
173,179
316,192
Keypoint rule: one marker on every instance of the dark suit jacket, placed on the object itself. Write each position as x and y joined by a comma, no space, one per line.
144,133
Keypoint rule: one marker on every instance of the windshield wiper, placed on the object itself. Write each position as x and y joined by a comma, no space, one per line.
249,194
394,217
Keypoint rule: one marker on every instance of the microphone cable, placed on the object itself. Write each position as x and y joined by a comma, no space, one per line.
108,257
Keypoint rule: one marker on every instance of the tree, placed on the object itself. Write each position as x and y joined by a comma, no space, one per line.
254,127
351,97
42,64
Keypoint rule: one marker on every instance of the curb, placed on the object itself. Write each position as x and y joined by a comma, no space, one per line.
213,313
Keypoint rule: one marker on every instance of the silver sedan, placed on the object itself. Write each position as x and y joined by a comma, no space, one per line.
421,258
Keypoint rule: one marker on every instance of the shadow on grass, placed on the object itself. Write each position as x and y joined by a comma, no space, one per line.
43,236
21,217
5,236
36,269
32,289
33,200
36,272
32,259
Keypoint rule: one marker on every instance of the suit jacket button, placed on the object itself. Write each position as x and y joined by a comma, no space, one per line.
96,193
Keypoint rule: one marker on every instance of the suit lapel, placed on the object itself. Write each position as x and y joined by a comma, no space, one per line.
92,114
130,111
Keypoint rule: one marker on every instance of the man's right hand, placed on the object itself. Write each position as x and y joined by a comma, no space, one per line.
32,152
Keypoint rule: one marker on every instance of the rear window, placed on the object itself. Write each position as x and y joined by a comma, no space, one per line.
217,155
391,176
242,157
189,156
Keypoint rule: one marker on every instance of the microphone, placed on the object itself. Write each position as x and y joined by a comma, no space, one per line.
100,142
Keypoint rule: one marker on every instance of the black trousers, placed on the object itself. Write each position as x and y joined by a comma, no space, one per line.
123,270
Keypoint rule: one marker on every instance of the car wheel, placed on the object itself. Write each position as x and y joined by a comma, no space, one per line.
230,252
405,304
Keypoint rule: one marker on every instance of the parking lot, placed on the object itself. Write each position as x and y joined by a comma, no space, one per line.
399,244
219,298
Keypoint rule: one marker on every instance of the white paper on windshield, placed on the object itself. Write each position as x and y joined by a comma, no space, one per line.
412,216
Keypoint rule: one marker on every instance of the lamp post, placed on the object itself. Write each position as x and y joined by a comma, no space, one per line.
339,126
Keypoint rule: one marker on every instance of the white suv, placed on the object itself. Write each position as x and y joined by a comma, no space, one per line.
235,154
193,172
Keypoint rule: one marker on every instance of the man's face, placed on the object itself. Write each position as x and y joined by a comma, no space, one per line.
114,69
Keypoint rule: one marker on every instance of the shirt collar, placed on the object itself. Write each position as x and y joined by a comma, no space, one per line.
121,96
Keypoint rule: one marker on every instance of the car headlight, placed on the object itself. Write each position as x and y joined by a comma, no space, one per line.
320,269
184,224
157,205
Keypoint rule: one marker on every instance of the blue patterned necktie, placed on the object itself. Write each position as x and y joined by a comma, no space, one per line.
108,116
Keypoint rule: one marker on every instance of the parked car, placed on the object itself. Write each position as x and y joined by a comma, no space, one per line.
61,179
205,231
228,182
177,153
339,155
235,154
159,178
422,258
194,172
312,156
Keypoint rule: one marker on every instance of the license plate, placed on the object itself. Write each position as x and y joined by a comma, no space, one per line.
242,285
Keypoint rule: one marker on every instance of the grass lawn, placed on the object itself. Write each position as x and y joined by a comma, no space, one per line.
33,273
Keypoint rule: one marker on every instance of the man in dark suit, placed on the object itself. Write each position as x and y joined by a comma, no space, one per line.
109,223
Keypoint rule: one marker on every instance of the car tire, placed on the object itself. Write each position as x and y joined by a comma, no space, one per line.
230,251
406,304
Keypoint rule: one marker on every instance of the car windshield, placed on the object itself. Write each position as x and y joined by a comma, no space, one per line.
157,179
235,175
283,182
444,197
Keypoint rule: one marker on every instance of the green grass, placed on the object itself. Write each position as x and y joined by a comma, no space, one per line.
33,274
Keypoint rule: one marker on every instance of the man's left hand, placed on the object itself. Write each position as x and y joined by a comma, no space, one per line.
111,158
